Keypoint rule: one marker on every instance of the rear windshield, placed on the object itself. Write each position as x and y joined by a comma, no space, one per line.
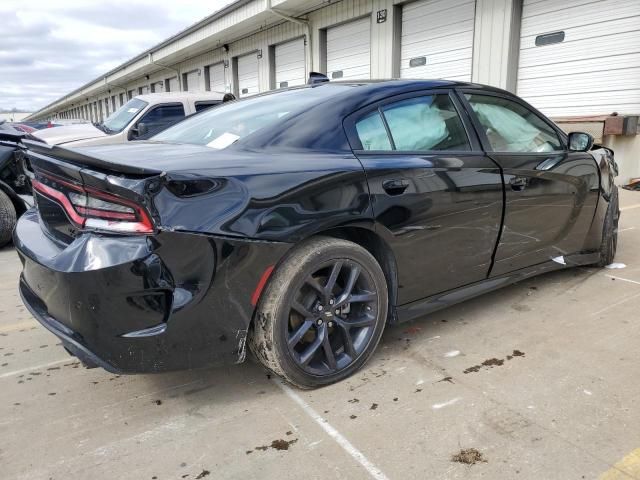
121,117
224,125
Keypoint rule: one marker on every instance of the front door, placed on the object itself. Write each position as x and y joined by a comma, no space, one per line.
550,192
437,198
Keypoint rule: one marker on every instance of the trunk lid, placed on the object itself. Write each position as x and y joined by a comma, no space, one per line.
73,191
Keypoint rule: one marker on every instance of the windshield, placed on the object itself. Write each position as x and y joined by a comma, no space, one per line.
224,125
121,117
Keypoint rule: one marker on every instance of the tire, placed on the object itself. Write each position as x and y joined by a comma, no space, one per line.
609,243
7,219
308,315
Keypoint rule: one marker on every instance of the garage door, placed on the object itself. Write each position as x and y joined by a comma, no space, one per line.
172,84
580,57
248,75
437,39
157,87
191,81
216,78
290,64
349,50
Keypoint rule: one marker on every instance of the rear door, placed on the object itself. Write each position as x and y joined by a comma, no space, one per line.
436,196
550,192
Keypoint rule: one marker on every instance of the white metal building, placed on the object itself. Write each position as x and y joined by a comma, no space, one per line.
576,60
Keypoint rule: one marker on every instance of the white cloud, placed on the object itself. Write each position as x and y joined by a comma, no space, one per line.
51,47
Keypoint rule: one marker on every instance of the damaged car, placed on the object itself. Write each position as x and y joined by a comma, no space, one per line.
15,188
299,223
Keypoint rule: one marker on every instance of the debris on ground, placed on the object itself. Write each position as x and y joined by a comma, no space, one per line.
634,184
613,266
493,362
204,473
469,456
276,445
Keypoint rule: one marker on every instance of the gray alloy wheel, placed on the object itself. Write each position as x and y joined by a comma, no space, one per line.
322,314
610,231
7,218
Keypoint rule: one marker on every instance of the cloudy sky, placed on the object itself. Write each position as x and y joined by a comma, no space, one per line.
50,47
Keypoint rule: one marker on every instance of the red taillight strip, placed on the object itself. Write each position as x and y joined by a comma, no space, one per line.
142,224
62,198
261,283
97,212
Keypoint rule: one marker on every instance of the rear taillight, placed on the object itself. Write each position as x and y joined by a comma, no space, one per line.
90,208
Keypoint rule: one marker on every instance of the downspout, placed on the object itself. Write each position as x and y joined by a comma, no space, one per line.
178,74
299,21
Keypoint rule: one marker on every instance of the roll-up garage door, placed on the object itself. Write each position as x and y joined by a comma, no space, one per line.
216,78
248,75
349,50
192,81
580,57
157,87
171,84
437,39
290,64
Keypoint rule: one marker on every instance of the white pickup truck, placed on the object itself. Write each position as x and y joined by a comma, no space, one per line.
141,117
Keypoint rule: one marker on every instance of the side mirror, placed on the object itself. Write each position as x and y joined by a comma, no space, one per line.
143,129
580,142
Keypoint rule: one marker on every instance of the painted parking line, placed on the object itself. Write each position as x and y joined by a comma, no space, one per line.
346,445
630,207
18,326
35,367
623,279
626,469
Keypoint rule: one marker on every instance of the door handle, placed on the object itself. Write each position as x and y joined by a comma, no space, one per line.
519,183
395,186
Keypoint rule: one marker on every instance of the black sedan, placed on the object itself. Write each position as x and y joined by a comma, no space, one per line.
300,222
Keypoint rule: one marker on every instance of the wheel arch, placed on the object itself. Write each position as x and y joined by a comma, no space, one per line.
17,202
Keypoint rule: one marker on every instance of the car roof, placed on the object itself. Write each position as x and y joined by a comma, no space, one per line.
173,96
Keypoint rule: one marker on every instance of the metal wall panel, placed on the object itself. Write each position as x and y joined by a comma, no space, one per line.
594,70
349,50
438,36
290,64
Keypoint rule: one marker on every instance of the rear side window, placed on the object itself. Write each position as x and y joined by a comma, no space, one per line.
513,128
372,133
425,123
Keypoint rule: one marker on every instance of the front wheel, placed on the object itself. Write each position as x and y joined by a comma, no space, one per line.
322,314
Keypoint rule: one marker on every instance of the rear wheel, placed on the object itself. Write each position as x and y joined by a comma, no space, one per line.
7,218
322,313
609,243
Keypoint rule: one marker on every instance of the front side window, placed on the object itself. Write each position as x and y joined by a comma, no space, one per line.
420,124
511,127
164,114
123,116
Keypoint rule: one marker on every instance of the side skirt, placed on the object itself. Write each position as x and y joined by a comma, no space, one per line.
431,304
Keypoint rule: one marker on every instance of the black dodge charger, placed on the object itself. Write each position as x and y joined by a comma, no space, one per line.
300,222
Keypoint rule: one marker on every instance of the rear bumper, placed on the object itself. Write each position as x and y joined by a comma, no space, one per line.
139,304
69,338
